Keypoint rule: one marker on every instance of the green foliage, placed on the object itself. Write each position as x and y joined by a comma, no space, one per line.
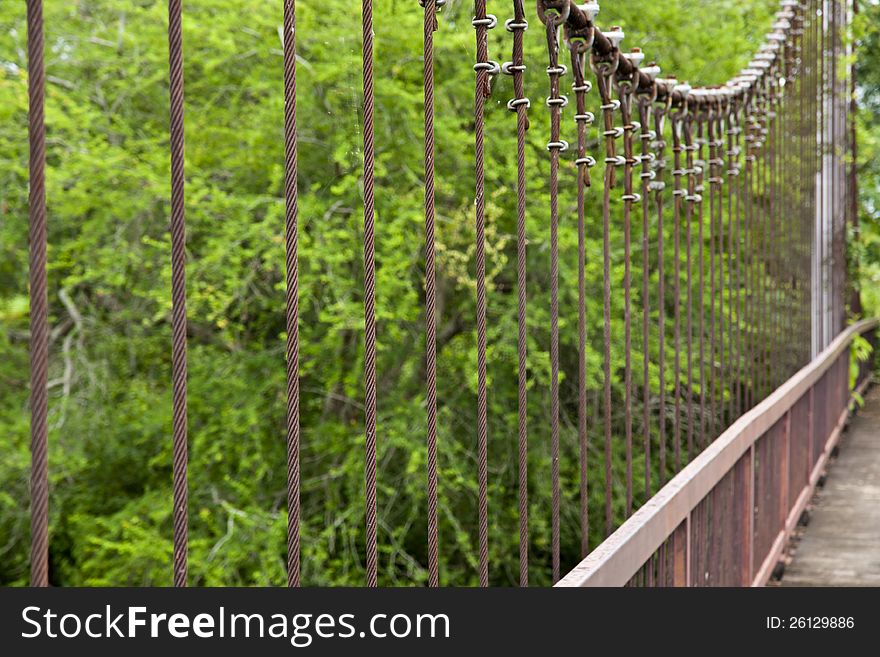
865,250
109,291
860,353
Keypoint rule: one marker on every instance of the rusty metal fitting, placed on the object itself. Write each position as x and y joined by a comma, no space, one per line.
554,11
652,72
683,88
634,56
615,35
590,10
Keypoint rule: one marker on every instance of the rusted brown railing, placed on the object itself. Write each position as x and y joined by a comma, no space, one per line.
743,188
724,519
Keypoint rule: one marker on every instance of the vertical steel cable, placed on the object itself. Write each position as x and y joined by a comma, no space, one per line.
430,25
700,174
748,240
603,71
754,241
743,254
757,241
763,224
691,199
483,67
371,511
806,112
555,146
658,186
780,200
809,218
579,44
734,173
789,275
732,229
773,236
808,221
580,88
738,211
520,104
823,192
678,193
645,136
291,245
819,262
793,106
39,300
834,259
785,148
624,91
719,182
714,199
178,293
805,223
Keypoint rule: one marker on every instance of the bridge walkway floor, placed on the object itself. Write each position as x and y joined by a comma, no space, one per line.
840,546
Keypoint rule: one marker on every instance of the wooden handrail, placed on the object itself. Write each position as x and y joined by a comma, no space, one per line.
621,555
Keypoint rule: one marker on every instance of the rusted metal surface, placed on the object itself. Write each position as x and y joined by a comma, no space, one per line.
39,319
178,296
370,389
615,561
429,26
291,236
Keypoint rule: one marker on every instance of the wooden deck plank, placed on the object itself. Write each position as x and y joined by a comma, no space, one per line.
841,544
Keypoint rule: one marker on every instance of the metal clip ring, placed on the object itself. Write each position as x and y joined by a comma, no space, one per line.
509,68
560,145
491,67
514,103
490,21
